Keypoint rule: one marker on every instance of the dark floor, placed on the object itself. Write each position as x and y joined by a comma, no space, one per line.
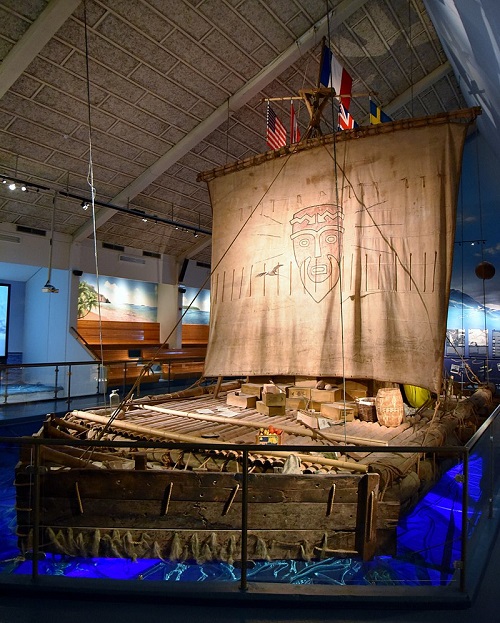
86,608
46,602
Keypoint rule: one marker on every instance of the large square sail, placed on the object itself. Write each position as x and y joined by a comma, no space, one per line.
334,259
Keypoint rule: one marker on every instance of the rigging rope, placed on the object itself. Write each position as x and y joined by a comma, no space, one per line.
339,206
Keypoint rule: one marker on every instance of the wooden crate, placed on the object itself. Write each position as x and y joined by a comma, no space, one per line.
335,410
237,399
296,403
252,389
299,392
264,409
274,400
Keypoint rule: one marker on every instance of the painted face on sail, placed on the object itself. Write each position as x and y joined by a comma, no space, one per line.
317,237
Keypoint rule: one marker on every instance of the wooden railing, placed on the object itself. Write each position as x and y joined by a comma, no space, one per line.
125,347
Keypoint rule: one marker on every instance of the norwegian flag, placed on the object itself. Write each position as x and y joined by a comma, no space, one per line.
294,126
345,121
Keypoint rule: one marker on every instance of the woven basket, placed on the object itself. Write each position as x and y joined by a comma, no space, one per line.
366,409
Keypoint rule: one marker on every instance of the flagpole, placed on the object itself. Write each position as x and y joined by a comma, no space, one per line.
326,89
323,48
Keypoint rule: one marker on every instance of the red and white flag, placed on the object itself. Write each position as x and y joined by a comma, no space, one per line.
294,126
275,130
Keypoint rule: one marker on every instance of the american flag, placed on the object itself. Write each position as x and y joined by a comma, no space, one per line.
294,126
276,132
345,122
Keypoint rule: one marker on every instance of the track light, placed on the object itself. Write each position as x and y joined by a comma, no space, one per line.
12,186
23,188
85,205
196,234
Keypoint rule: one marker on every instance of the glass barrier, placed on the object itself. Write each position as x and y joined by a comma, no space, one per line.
483,496
247,515
27,383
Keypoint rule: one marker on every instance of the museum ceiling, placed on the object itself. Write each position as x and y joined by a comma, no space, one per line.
146,94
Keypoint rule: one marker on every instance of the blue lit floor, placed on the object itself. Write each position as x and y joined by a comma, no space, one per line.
428,546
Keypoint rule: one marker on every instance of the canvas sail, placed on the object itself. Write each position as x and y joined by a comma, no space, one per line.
337,271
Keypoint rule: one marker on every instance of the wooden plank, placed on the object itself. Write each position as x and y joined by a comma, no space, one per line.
122,484
367,517
117,332
195,334
147,514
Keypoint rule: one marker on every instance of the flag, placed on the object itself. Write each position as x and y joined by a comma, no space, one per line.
275,132
346,122
377,115
294,126
335,76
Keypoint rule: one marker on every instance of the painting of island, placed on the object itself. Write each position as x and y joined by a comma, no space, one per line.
196,306
112,298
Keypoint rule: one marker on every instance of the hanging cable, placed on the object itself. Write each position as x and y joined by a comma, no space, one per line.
411,56
90,181
339,206
485,316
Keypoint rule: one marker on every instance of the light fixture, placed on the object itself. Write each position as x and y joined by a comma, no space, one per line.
12,186
196,234
23,188
85,205
48,287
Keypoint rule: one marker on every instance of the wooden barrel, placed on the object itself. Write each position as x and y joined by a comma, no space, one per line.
389,406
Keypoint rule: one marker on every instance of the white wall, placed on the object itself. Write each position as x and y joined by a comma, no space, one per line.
127,264
169,312
47,318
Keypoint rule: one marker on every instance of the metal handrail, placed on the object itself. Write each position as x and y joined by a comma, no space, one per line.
245,450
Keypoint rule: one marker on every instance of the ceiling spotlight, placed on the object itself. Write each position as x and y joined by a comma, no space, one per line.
196,234
4,181
144,220
85,205
12,186
23,188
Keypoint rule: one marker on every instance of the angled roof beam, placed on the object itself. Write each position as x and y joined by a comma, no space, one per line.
194,250
304,43
34,39
419,87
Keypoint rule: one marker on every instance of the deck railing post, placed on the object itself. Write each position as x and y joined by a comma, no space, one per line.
465,519
244,523
69,387
36,513
491,492
56,381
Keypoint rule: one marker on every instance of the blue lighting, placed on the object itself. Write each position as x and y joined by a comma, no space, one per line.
428,546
